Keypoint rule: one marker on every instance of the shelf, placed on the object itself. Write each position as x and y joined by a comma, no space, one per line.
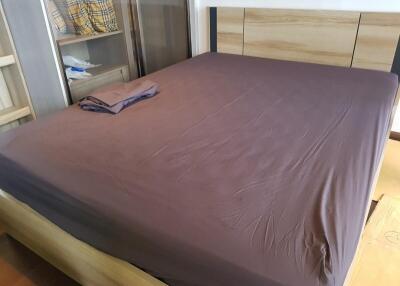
6,60
96,72
102,76
11,114
73,39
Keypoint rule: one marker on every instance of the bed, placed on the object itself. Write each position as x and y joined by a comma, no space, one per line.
241,171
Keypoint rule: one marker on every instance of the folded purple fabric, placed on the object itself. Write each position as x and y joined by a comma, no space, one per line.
115,97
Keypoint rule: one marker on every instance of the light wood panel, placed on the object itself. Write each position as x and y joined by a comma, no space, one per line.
326,37
75,258
7,60
230,30
378,258
13,113
5,97
377,41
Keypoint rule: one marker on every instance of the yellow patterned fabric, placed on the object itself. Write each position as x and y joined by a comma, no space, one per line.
57,18
63,9
92,16
102,15
79,13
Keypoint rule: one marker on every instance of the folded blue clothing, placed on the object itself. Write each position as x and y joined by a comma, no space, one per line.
116,97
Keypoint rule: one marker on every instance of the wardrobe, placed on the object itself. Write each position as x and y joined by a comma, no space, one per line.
116,40
142,37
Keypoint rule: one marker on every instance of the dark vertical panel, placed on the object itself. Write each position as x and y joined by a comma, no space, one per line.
355,40
396,60
165,22
213,29
395,136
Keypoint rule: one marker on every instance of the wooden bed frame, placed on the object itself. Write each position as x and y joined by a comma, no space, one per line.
340,38
351,39
78,260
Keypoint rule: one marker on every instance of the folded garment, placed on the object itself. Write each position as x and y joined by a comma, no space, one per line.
73,73
115,97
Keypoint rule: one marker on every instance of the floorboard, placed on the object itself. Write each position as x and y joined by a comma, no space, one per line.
21,267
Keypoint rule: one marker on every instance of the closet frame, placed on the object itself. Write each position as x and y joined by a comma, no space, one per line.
17,104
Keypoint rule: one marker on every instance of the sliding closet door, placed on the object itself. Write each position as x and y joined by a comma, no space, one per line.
162,35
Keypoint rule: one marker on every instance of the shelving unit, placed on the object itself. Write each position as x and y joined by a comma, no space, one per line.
112,50
102,76
15,103
99,71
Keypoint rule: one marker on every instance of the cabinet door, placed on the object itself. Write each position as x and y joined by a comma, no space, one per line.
161,32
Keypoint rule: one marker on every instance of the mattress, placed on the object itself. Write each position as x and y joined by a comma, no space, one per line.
241,171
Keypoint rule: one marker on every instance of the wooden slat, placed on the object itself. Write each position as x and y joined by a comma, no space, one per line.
73,39
377,41
7,60
11,114
326,37
230,30
75,258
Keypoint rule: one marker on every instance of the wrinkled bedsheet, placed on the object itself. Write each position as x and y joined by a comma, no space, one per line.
241,171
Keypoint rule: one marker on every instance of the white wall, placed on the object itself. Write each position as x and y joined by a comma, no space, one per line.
396,122
199,20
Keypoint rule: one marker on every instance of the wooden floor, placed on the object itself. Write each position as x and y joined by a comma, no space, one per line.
21,267
378,258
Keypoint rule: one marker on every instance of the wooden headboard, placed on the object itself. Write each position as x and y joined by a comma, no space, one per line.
350,39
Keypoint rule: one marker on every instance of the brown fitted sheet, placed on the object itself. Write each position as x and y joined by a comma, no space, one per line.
241,171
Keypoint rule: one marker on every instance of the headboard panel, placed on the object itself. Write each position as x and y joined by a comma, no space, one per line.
352,39
377,40
230,30
325,37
